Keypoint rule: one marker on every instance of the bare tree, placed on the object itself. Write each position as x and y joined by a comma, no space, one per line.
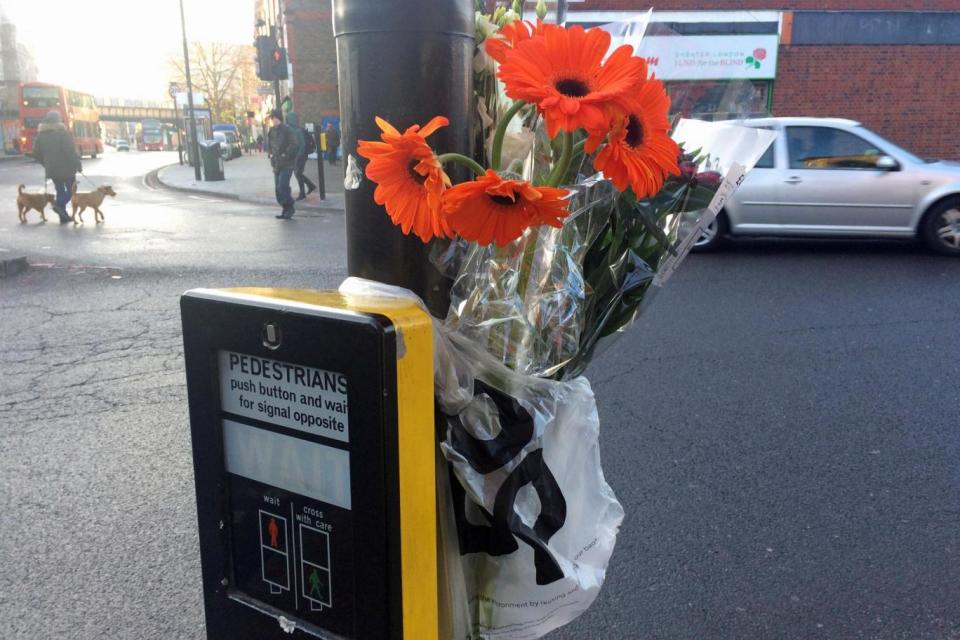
218,70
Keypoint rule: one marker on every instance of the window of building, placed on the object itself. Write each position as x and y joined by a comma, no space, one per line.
720,99
828,148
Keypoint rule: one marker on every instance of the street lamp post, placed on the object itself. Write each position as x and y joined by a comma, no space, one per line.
405,62
194,143
173,91
176,124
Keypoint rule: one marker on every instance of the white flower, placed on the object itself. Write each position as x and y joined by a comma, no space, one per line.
482,63
510,16
541,9
485,27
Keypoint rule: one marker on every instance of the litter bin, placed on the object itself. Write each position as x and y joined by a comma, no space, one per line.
211,159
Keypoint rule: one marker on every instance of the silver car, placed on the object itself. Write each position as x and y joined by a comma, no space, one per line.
825,177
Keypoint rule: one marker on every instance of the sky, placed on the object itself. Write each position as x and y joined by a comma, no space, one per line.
120,48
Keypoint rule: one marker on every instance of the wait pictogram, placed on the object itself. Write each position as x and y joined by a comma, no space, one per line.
274,555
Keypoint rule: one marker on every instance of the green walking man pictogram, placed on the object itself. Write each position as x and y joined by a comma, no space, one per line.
315,584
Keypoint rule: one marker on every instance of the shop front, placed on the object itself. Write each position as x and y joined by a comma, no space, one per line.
716,65
715,77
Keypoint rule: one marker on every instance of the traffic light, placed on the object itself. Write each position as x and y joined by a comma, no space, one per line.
279,63
271,59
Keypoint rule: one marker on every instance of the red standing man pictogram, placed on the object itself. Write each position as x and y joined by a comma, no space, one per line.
274,532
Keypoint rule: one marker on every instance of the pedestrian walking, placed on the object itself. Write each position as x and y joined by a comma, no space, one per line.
283,158
55,150
293,121
333,141
260,142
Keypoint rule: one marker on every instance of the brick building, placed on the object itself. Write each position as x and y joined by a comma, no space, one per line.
305,28
886,63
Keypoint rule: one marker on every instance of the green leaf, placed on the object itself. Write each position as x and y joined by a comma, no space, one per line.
749,59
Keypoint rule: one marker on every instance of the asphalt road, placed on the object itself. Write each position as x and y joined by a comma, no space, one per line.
781,428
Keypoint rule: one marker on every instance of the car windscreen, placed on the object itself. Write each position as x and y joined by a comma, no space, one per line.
897,149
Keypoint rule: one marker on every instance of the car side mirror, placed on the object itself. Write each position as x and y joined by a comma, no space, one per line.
887,163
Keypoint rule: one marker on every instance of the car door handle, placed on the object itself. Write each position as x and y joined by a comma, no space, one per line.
793,180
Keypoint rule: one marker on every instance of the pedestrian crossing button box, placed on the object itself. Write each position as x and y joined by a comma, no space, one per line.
311,419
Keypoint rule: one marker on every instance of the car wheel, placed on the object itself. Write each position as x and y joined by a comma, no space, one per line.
712,236
941,228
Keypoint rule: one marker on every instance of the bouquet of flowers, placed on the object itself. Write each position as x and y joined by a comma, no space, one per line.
585,198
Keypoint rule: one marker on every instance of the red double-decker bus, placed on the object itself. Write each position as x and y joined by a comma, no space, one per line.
78,110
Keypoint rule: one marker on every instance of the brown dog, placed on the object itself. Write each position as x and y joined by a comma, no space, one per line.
93,199
27,201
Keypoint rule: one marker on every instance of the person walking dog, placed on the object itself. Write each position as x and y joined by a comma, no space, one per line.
55,150
283,146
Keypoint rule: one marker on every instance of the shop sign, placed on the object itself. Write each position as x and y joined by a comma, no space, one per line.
745,57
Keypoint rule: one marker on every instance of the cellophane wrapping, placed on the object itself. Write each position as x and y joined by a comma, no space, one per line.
536,521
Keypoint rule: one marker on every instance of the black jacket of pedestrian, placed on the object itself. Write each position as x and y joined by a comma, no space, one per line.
54,149
283,147
333,138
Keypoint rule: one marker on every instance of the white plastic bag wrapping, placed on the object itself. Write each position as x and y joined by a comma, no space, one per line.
536,520
527,521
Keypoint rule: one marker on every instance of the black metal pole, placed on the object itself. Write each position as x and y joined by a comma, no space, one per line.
176,124
405,62
321,178
194,143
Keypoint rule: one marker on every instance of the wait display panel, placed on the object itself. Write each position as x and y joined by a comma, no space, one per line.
314,450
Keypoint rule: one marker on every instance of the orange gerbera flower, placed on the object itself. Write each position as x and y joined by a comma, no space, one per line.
499,45
564,74
491,209
410,179
639,152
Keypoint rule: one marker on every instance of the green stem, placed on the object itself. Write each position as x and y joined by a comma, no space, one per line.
516,339
464,160
501,131
563,164
578,148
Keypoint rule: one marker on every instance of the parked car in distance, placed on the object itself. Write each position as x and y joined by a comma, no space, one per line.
229,144
121,145
827,177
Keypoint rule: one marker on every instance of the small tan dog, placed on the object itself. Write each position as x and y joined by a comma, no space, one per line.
27,201
93,199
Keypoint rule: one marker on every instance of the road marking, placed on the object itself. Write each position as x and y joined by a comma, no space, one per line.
205,199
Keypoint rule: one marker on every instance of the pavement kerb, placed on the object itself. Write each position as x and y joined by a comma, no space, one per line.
157,174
